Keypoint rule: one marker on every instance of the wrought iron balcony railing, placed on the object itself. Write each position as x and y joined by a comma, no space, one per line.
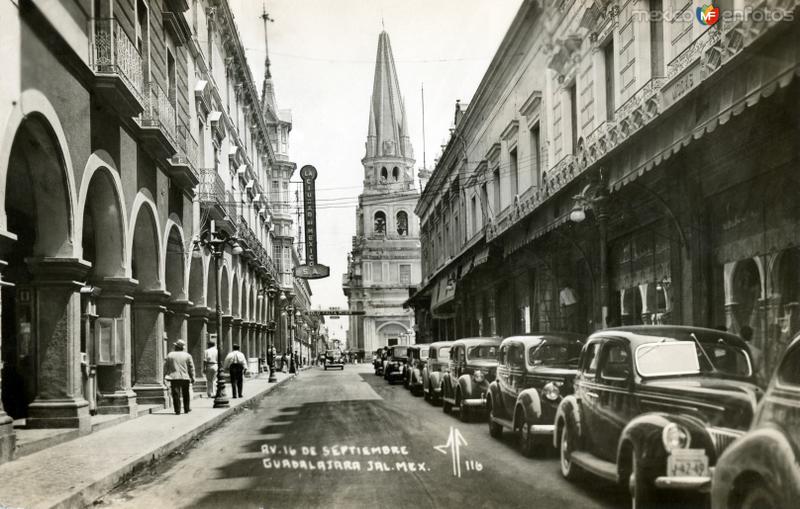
159,111
211,192
113,53
187,147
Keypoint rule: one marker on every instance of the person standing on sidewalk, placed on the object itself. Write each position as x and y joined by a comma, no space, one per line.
210,368
235,363
179,370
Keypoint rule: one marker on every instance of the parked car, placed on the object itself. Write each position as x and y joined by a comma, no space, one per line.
395,361
534,373
412,375
334,359
655,406
762,469
472,366
438,359
378,360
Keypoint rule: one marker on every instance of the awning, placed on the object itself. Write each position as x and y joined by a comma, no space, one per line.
466,267
443,294
481,257
214,116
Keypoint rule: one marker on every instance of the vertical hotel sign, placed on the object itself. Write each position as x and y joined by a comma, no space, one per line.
311,269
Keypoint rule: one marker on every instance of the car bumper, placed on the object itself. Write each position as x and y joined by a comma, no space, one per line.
684,483
394,374
543,429
473,402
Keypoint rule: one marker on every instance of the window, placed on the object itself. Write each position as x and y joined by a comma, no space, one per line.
377,272
656,39
473,210
516,357
405,274
536,160
171,78
402,223
616,362
496,190
590,358
142,37
514,168
484,200
573,116
789,370
384,175
201,144
608,64
285,194
379,226
396,173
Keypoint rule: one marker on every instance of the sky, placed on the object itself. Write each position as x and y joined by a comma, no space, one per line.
322,55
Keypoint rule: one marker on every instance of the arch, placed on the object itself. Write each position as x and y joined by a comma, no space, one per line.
225,290
396,173
401,222
379,223
101,202
144,244
211,284
235,292
405,327
384,174
55,204
746,290
174,260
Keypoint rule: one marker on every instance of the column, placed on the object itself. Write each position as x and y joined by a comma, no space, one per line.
236,326
8,439
59,401
176,325
227,335
114,315
197,336
148,347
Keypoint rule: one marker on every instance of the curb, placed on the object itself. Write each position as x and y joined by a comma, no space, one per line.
86,495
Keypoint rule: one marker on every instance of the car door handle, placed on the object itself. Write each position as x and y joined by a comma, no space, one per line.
590,394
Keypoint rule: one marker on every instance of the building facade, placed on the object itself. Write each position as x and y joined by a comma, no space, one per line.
133,133
385,260
622,163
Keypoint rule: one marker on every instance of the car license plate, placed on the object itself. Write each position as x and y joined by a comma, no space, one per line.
687,462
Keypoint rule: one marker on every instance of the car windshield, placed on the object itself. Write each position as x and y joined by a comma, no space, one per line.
482,352
443,353
668,357
400,351
555,354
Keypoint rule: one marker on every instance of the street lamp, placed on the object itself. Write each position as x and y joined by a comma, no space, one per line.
271,291
215,241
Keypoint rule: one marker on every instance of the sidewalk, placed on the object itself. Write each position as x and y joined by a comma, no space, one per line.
75,473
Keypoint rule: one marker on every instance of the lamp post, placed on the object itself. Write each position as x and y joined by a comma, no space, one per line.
216,241
595,197
271,291
290,312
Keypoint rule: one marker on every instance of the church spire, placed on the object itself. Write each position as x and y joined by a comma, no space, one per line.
388,131
268,88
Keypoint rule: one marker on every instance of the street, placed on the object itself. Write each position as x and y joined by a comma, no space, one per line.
369,444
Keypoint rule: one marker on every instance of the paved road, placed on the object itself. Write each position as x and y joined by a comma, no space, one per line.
369,444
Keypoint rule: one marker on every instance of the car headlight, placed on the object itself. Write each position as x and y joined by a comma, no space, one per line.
478,376
674,436
551,391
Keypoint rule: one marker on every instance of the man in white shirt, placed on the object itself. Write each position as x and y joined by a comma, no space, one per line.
210,367
235,363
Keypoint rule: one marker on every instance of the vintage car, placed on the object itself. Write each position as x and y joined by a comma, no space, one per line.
438,359
412,373
395,362
762,469
379,359
534,373
654,407
472,366
334,359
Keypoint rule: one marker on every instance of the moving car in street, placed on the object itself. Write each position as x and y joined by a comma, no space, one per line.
762,469
412,376
472,366
395,362
534,373
334,359
654,407
438,360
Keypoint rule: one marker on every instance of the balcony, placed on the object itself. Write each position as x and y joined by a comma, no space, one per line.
117,66
157,122
183,165
213,197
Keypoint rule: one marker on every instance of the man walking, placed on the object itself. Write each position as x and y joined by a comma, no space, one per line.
235,363
210,368
179,370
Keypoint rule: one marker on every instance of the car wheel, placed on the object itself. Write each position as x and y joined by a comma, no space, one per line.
426,395
526,438
464,412
639,486
758,496
446,407
569,470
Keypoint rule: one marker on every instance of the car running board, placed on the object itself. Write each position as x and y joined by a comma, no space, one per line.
596,466
503,422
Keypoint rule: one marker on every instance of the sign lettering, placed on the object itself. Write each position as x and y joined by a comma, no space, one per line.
312,269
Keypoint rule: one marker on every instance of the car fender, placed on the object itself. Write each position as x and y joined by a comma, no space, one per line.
466,385
435,378
764,452
416,376
568,412
644,433
493,393
445,384
528,400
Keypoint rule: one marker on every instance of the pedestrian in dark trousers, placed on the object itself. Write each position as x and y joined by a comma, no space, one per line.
235,363
179,370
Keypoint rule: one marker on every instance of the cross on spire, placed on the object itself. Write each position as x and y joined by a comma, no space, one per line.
265,17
